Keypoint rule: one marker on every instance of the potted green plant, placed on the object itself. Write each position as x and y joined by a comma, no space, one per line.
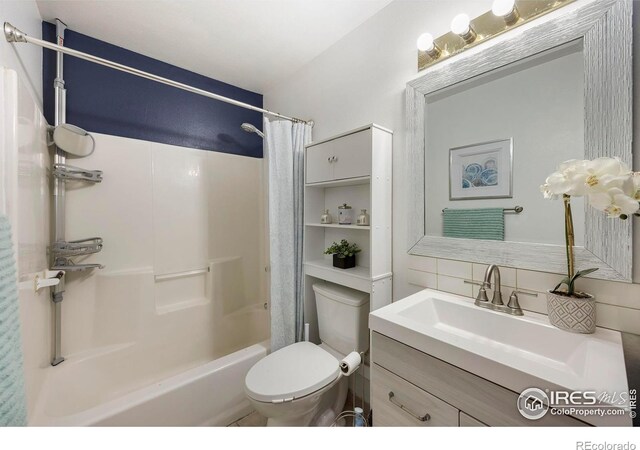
344,254
610,186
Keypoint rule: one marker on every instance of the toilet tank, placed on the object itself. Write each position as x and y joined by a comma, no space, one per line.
343,315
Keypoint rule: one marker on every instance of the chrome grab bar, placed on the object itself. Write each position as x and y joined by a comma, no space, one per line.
423,418
188,273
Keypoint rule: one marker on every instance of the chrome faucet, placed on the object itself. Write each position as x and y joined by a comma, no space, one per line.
496,303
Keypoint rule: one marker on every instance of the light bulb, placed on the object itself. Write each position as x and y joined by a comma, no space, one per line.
425,42
461,24
502,8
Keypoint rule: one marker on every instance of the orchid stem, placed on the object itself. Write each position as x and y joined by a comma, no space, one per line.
568,233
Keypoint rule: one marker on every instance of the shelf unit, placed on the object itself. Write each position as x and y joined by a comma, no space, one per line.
353,168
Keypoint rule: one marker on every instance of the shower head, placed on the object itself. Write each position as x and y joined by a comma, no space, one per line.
251,129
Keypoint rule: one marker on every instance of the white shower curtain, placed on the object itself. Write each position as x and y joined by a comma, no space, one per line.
285,141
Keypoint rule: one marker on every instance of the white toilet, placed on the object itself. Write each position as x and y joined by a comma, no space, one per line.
301,385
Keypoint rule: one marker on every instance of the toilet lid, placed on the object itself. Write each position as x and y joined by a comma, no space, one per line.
291,372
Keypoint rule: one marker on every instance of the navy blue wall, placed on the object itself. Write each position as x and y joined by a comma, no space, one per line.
104,100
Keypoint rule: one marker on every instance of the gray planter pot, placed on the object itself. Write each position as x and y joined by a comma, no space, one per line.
577,315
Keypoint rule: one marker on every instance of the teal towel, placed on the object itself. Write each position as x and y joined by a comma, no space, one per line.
480,223
13,405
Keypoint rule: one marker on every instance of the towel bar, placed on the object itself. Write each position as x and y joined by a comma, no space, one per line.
517,209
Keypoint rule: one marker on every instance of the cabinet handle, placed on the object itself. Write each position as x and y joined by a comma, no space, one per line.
423,418
329,158
335,158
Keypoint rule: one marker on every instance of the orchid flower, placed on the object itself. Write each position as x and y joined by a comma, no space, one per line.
609,186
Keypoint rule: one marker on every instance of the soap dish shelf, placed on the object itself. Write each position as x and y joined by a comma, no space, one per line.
72,173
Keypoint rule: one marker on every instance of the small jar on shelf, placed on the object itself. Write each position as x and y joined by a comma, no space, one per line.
326,218
363,218
345,214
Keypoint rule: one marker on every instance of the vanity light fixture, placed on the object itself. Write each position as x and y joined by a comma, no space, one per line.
504,16
461,25
426,44
507,10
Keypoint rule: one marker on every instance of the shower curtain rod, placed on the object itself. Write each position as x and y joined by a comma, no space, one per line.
13,35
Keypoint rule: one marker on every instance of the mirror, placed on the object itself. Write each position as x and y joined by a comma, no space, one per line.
486,127
491,141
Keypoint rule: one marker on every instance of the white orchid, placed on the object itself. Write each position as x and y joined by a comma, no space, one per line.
636,186
583,177
615,202
609,185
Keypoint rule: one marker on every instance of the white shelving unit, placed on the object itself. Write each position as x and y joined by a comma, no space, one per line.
353,168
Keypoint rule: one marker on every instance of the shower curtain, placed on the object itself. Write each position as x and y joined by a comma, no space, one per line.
285,141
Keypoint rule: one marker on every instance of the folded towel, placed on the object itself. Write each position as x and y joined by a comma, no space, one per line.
13,406
480,223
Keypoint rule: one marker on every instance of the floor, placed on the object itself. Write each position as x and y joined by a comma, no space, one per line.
255,419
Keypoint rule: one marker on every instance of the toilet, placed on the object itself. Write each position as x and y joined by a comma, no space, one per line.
301,384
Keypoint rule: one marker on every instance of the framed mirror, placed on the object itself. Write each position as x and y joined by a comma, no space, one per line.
486,127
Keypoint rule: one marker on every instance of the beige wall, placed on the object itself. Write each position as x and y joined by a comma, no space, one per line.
361,79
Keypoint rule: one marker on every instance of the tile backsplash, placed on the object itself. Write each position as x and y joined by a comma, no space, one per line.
618,304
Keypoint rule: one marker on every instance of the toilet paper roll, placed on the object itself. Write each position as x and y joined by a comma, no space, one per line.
350,363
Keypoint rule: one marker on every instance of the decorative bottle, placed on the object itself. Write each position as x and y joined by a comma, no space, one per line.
363,218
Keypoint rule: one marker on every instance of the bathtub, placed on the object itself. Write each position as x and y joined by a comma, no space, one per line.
154,351
211,394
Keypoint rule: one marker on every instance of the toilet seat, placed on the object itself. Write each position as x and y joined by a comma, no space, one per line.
291,372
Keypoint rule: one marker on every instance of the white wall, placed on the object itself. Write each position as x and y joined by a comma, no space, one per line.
361,79
26,59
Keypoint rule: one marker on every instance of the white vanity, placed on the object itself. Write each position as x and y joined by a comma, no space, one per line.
439,360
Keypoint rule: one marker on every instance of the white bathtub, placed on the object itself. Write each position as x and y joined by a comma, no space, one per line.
210,394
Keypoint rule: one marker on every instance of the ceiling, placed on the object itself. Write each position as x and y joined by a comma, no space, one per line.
252,44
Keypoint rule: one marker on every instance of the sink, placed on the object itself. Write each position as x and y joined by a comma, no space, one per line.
514,352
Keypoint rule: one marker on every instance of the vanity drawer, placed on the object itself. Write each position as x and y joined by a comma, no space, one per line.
467,421
419,408
490,403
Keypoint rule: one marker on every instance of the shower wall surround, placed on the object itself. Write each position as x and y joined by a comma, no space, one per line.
25,199
103,100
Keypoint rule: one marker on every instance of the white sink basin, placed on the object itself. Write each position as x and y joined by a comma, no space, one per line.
514,352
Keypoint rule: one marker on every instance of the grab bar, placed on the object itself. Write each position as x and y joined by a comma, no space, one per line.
188,273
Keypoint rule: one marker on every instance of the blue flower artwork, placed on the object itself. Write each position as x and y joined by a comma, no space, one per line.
480,174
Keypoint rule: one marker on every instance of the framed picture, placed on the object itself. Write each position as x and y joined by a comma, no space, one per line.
481,170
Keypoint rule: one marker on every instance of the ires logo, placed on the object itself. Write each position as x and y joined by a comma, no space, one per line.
534,403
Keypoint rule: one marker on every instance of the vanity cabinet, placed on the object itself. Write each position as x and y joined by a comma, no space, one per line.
340,158
407,385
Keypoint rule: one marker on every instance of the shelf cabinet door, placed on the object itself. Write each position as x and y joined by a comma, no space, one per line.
352,155
319,164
